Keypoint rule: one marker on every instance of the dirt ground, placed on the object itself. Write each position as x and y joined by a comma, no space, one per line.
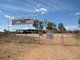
47,50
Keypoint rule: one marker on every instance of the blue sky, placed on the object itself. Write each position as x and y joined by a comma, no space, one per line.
57,11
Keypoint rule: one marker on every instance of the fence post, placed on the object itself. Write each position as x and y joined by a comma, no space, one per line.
76,38
62,38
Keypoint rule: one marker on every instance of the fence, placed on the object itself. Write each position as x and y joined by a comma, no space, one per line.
66,39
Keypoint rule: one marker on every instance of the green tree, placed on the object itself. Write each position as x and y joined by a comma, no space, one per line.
41,23
6,30
39,26
61,27
54,27
36,24
50,26
79,21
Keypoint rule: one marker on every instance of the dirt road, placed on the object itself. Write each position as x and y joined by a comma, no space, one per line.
53,53
38,52
26,51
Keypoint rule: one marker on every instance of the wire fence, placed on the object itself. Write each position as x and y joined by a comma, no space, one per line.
65,39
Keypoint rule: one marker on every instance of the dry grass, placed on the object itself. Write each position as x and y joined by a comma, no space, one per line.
25,47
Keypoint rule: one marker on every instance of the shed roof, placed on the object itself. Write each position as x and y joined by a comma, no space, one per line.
23,27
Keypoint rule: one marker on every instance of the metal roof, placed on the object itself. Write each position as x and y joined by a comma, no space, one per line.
23,27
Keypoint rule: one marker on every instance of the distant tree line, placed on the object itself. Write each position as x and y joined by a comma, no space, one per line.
49,25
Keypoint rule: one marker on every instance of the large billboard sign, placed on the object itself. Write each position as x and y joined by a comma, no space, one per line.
22,21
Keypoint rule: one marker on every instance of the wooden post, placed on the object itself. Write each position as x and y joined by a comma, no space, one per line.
62,40
8,27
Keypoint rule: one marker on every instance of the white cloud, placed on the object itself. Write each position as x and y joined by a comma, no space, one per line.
37,10
77,13
9,17
41,10
6,16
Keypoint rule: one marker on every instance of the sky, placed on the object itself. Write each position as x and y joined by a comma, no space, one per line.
57,11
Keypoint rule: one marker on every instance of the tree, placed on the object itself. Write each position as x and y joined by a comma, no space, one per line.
79,22
39,26
41,23
61,27
49,26
6,30
36,24
54,27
